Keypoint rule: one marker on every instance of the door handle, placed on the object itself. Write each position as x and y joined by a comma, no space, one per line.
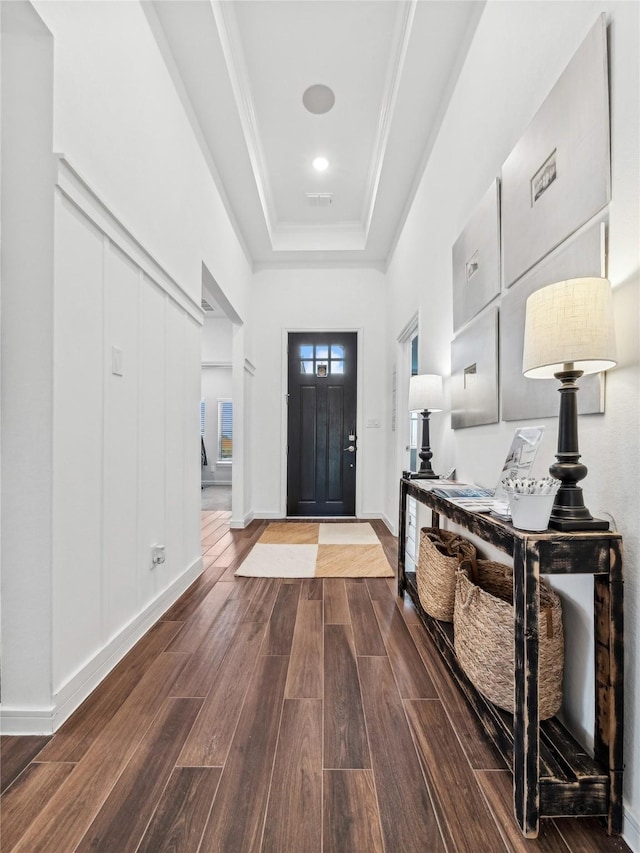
351,448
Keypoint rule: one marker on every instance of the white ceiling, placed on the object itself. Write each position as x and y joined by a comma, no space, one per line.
241,68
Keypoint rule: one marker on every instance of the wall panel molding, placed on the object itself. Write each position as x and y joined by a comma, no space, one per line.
46,720
79,192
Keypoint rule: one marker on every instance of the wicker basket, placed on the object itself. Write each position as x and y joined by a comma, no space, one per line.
483,625
440,554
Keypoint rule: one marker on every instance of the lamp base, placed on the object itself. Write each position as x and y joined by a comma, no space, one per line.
569,512
568,526
571,525
423,475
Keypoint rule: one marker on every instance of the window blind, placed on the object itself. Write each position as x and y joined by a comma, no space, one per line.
225,431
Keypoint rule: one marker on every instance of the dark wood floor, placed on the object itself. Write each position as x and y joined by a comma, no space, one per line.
272,715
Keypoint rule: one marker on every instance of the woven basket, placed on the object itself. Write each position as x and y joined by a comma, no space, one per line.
483,626
440,554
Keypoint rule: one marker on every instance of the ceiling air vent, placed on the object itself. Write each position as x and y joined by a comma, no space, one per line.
206,307
319,199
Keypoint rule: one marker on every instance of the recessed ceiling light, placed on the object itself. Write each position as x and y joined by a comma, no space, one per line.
318,99
320,164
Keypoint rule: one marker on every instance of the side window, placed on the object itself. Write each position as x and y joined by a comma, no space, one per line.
225,431
413,416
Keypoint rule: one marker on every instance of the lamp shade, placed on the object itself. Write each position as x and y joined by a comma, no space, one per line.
425,392
569,323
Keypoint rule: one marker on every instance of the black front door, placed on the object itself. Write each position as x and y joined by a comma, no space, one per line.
321,461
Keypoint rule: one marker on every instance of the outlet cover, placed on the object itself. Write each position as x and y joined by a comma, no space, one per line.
157,555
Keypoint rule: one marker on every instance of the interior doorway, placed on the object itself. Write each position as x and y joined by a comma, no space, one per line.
216,403
321,424
408,424
216,410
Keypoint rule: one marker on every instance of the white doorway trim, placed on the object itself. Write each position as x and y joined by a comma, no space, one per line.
403,373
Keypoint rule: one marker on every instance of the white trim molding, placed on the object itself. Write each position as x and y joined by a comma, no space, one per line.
45,721
241,523
630,828
406,15
225,365
79,192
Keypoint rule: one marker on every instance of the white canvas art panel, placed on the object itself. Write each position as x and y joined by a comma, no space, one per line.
474,372
476,259
558,176
522,398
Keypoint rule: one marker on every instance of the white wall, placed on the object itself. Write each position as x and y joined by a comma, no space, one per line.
125,470
217,384
291,300
518,52
136,215
120,122
26,339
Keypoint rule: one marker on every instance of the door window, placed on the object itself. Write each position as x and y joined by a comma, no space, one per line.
321,359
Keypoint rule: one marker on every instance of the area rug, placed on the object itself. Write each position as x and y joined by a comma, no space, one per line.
316,550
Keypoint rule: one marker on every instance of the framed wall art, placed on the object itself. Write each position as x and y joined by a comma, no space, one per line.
582,255
558,176
476,259
474,372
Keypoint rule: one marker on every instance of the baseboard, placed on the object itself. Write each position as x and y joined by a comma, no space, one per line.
241,523
391,525
382,517
268,514
26,721
46,720
631,829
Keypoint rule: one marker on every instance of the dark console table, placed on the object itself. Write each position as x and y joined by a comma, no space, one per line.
552,774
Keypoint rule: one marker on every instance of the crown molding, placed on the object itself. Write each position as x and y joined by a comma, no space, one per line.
345,236
101,212
227,24
347,226
265,266
406,15
445,101
176,78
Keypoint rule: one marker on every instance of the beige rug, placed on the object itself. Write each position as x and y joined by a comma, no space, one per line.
316,550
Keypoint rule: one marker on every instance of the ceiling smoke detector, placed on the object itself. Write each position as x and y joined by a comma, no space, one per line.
319,199
318,99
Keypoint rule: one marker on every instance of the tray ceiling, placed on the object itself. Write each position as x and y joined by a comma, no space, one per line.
241,69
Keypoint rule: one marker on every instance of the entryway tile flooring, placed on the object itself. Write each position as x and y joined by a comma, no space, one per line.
273,715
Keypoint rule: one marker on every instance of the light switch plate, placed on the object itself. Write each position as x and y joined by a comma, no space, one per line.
116,361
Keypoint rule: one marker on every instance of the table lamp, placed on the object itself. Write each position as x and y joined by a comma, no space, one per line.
425,396
569,332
